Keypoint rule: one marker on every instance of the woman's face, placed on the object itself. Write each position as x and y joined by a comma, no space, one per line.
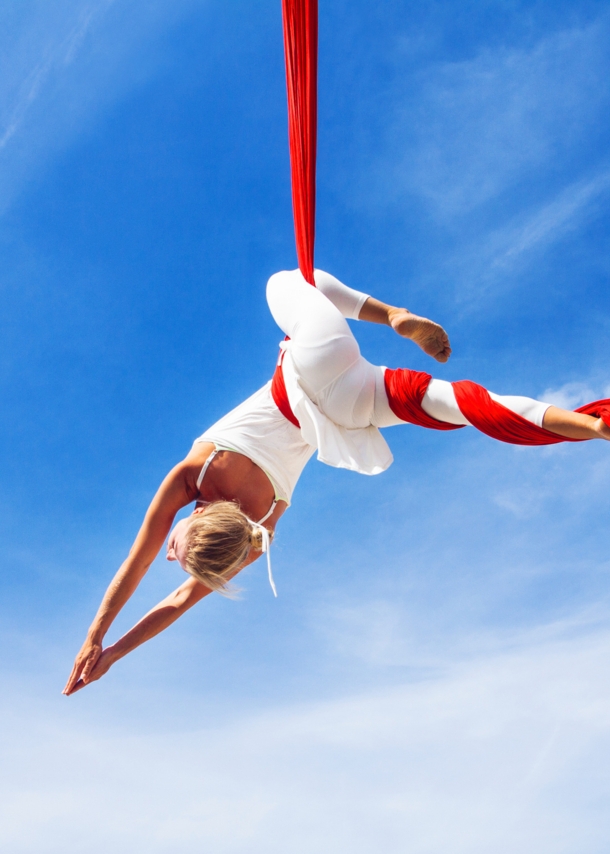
176,544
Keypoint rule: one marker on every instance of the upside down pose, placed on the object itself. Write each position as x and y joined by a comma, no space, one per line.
324,396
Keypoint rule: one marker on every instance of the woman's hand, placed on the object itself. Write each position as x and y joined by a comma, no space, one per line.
428,335
103,662
86,660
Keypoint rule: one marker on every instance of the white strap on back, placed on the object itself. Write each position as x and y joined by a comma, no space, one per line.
205,468
268,513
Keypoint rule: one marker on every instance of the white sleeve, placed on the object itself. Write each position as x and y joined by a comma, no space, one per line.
347,300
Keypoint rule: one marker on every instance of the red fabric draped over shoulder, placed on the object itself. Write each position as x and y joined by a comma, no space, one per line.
301,51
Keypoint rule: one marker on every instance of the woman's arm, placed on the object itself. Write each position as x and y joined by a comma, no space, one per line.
173,494
428,335
157,619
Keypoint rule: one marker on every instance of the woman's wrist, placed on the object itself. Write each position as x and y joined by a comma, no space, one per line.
112,653
96,634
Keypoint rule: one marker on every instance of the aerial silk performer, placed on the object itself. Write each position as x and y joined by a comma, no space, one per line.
324,398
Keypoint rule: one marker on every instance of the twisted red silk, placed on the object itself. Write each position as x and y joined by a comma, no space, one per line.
490,417
301,52
406,389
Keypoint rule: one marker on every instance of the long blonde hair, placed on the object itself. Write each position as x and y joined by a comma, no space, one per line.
218,542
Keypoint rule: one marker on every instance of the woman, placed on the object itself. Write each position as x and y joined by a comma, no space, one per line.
241,472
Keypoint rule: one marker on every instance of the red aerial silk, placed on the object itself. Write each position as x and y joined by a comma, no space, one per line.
497,421
280,395
301,51
406,390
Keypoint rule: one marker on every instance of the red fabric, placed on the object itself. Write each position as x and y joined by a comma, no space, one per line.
301,52
280,398
497,421
597,409
405,390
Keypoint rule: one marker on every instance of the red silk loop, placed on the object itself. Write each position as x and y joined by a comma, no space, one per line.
405,390
301,52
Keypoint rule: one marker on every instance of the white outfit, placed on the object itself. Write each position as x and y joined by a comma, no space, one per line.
257,429
338,398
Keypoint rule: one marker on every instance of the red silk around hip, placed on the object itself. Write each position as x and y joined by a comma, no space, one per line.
279,395
301,52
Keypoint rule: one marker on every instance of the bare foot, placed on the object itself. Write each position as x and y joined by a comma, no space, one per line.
428,335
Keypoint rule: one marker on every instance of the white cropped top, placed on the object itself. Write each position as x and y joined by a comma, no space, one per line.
257,429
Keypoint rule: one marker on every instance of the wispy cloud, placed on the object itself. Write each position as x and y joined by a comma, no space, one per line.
497,256
498,753
53,89
478,127
573,394
62,52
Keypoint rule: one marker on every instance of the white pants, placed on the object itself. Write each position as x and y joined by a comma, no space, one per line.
348,389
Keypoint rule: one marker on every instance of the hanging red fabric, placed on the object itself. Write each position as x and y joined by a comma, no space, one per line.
301,52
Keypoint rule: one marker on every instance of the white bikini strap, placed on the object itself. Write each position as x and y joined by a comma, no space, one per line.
205,468
268,513
266,549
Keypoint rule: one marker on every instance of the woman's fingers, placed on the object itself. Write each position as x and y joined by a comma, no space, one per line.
84,664
72,679
90,664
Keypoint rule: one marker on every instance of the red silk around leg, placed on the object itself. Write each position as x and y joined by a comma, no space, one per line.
301,52
490,417
405,390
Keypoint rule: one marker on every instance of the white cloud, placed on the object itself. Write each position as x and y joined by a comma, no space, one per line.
500,254
61,53
499,753
479,126
571,395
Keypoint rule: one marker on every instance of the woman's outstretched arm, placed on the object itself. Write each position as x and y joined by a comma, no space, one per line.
157,619
173,494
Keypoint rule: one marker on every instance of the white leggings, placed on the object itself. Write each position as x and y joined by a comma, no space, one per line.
348,389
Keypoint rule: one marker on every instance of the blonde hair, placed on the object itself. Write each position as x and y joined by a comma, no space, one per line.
217,544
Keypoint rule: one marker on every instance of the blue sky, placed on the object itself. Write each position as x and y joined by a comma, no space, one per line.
433,675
